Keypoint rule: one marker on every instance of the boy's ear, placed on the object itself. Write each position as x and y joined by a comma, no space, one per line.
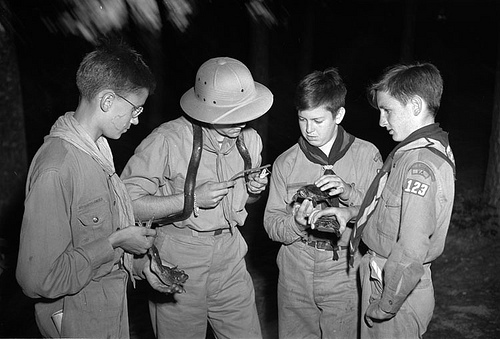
340,115
106,101
418,104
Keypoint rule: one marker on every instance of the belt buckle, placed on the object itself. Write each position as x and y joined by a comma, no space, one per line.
322,249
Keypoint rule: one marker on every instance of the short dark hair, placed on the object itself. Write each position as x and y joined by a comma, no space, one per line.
404,81
115,66
321,88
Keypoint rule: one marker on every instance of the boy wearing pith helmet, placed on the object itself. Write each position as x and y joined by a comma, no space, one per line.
187,175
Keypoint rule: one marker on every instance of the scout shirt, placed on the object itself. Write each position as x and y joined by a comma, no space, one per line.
65,258
410,222
159,166
292,170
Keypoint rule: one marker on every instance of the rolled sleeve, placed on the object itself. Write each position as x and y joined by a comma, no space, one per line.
144,172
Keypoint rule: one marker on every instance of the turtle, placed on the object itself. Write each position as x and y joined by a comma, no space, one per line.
313,193
172,277
168,275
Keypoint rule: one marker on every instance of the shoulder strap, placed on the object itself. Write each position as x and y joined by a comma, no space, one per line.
445,157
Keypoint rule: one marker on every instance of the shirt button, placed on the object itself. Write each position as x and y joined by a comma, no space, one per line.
95,219
390,302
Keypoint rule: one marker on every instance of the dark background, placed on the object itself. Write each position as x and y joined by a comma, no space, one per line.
359,37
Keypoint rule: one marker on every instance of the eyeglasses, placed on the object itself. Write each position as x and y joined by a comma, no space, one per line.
137,109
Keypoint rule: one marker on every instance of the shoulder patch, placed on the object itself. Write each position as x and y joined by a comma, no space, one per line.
421,169
417,179
378,157
415,187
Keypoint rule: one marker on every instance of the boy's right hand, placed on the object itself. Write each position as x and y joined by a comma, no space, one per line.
133,239
211,193
301,213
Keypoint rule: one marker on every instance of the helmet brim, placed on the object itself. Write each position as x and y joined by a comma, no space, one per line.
252,109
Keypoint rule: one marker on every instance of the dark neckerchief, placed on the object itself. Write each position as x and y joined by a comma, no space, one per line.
432,131
340,146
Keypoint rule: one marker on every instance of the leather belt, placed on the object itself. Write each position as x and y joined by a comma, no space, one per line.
326,245
216,232
189,231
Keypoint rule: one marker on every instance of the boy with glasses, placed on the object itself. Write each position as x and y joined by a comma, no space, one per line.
78,234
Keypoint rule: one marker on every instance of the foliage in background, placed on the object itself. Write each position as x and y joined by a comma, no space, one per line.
471,212
92,18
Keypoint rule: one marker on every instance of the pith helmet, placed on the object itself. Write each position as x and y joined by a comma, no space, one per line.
225,93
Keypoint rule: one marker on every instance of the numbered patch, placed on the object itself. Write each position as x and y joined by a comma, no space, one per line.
416,187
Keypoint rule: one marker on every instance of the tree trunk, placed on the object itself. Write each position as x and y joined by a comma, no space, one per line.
259,66
408,38
13,154
307,38
492,182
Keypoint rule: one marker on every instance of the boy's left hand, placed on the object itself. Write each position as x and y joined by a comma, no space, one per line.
334,185
157,284
374,313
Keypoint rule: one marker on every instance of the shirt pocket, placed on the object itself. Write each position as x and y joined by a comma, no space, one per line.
95,218
388,227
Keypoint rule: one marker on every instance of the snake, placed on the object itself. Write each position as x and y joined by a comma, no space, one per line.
190,182
243,150
174,276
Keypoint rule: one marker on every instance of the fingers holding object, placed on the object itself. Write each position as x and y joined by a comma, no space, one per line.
306,208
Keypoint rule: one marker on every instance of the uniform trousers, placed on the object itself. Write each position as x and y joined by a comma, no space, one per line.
317,296
219,287
413,317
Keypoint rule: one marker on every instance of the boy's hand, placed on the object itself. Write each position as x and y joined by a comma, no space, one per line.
257,182
133,239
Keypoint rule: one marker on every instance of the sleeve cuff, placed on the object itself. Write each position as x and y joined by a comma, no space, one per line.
390,305
349,201
296,230
100,253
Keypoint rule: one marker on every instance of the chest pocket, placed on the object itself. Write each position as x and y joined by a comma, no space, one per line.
389,214
95,217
